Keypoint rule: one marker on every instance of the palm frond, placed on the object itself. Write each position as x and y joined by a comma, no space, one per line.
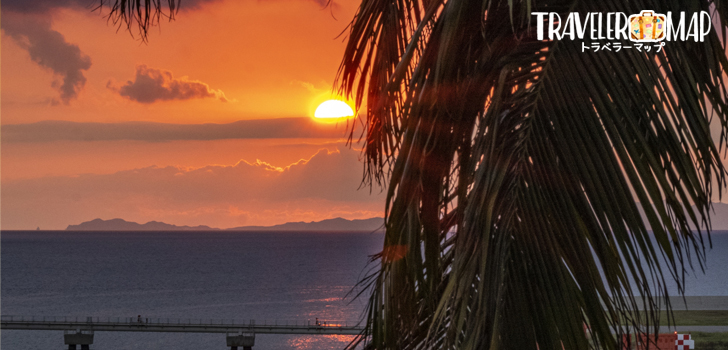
139,14
517,171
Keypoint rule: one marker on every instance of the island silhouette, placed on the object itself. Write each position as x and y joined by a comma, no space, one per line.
336,224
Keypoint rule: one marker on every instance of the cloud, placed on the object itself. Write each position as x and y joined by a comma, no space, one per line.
45,6
48,48
306,85
250,193
49,131
151,85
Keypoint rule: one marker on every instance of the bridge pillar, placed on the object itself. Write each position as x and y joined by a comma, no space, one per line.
78,337
245,340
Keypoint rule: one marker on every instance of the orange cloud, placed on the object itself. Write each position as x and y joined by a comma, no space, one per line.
49,49
151,85
252,193
51,130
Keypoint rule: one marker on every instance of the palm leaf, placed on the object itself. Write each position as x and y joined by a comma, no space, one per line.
139,14
517,171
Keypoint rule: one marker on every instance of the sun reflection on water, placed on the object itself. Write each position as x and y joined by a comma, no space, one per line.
317,342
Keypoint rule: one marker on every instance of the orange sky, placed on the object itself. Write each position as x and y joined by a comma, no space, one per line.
225,61
270,58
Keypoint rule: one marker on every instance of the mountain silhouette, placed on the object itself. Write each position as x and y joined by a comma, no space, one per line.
337,224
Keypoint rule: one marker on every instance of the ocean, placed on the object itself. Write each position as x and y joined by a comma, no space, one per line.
270,276
265,276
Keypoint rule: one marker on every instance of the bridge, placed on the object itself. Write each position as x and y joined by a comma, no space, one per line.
80,330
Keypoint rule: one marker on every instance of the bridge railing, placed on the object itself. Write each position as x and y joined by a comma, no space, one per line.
178,321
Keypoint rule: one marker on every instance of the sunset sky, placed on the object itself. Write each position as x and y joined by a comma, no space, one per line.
97,124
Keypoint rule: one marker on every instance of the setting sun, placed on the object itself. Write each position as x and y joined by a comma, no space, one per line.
333,109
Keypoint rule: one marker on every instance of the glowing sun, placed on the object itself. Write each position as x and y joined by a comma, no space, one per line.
332,110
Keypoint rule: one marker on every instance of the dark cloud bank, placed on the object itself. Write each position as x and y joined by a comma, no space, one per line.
45,6
49,49
48,131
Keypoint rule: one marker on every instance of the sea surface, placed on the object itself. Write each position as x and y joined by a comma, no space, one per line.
270,276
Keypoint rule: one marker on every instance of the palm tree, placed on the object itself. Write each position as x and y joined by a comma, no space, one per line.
139,14
518,171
